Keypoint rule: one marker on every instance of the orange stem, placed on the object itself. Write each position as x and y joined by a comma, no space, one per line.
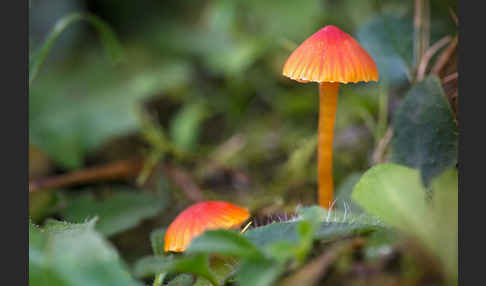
328,93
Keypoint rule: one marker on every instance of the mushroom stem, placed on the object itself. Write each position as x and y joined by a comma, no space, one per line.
328,93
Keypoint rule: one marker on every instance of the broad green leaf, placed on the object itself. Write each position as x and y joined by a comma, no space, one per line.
380,243
282,251
312,214
224,242
73,113
424,130
74,254
39,271
279,231
151,265
311,217
157,239
53,226
198,265
389,40
287,231
222,267
258,272
446,215
182,280
118,212
335,230
395,194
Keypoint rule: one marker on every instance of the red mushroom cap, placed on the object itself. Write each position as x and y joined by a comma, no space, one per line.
200,217
330,55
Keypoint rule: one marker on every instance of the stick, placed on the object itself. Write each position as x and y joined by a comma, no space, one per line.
424,62
444,57
112,171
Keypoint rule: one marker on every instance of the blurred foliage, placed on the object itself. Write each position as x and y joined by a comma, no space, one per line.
194,89
135,207
74,254
425,130
396,194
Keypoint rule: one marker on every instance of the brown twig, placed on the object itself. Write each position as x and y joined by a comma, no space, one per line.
427,56
379,153
184,181
445,56
112,171
311,273
449,78
421,28
454,16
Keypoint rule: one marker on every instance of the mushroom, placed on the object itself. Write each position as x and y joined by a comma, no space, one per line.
201,217
329,57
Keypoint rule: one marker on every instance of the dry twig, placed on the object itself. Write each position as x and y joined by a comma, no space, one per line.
112,171
427,56
380,150
444,57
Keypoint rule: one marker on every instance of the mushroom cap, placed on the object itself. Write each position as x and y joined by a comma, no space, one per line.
330,55
201,217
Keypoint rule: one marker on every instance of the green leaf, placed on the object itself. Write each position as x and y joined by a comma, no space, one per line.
182,280
74,254
157,239
287,231
185,127
118,212
223,242
395,194
279,231
258,272
151,265
424,130
108,38
389,40
54,226
89,111
445,213
198,265
222,267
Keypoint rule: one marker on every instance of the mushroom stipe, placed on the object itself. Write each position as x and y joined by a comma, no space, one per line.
329,57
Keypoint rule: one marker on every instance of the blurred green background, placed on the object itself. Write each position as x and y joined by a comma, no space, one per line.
197,85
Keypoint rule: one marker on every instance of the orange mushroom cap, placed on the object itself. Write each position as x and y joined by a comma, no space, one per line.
201,217
330,55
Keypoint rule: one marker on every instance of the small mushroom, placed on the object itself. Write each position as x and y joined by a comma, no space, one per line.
201,217
329,57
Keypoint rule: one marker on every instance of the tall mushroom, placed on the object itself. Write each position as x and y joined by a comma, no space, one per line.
329,57
201,217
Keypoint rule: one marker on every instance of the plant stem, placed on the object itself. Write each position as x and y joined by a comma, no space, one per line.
421,31
159,279
328,93
382,113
